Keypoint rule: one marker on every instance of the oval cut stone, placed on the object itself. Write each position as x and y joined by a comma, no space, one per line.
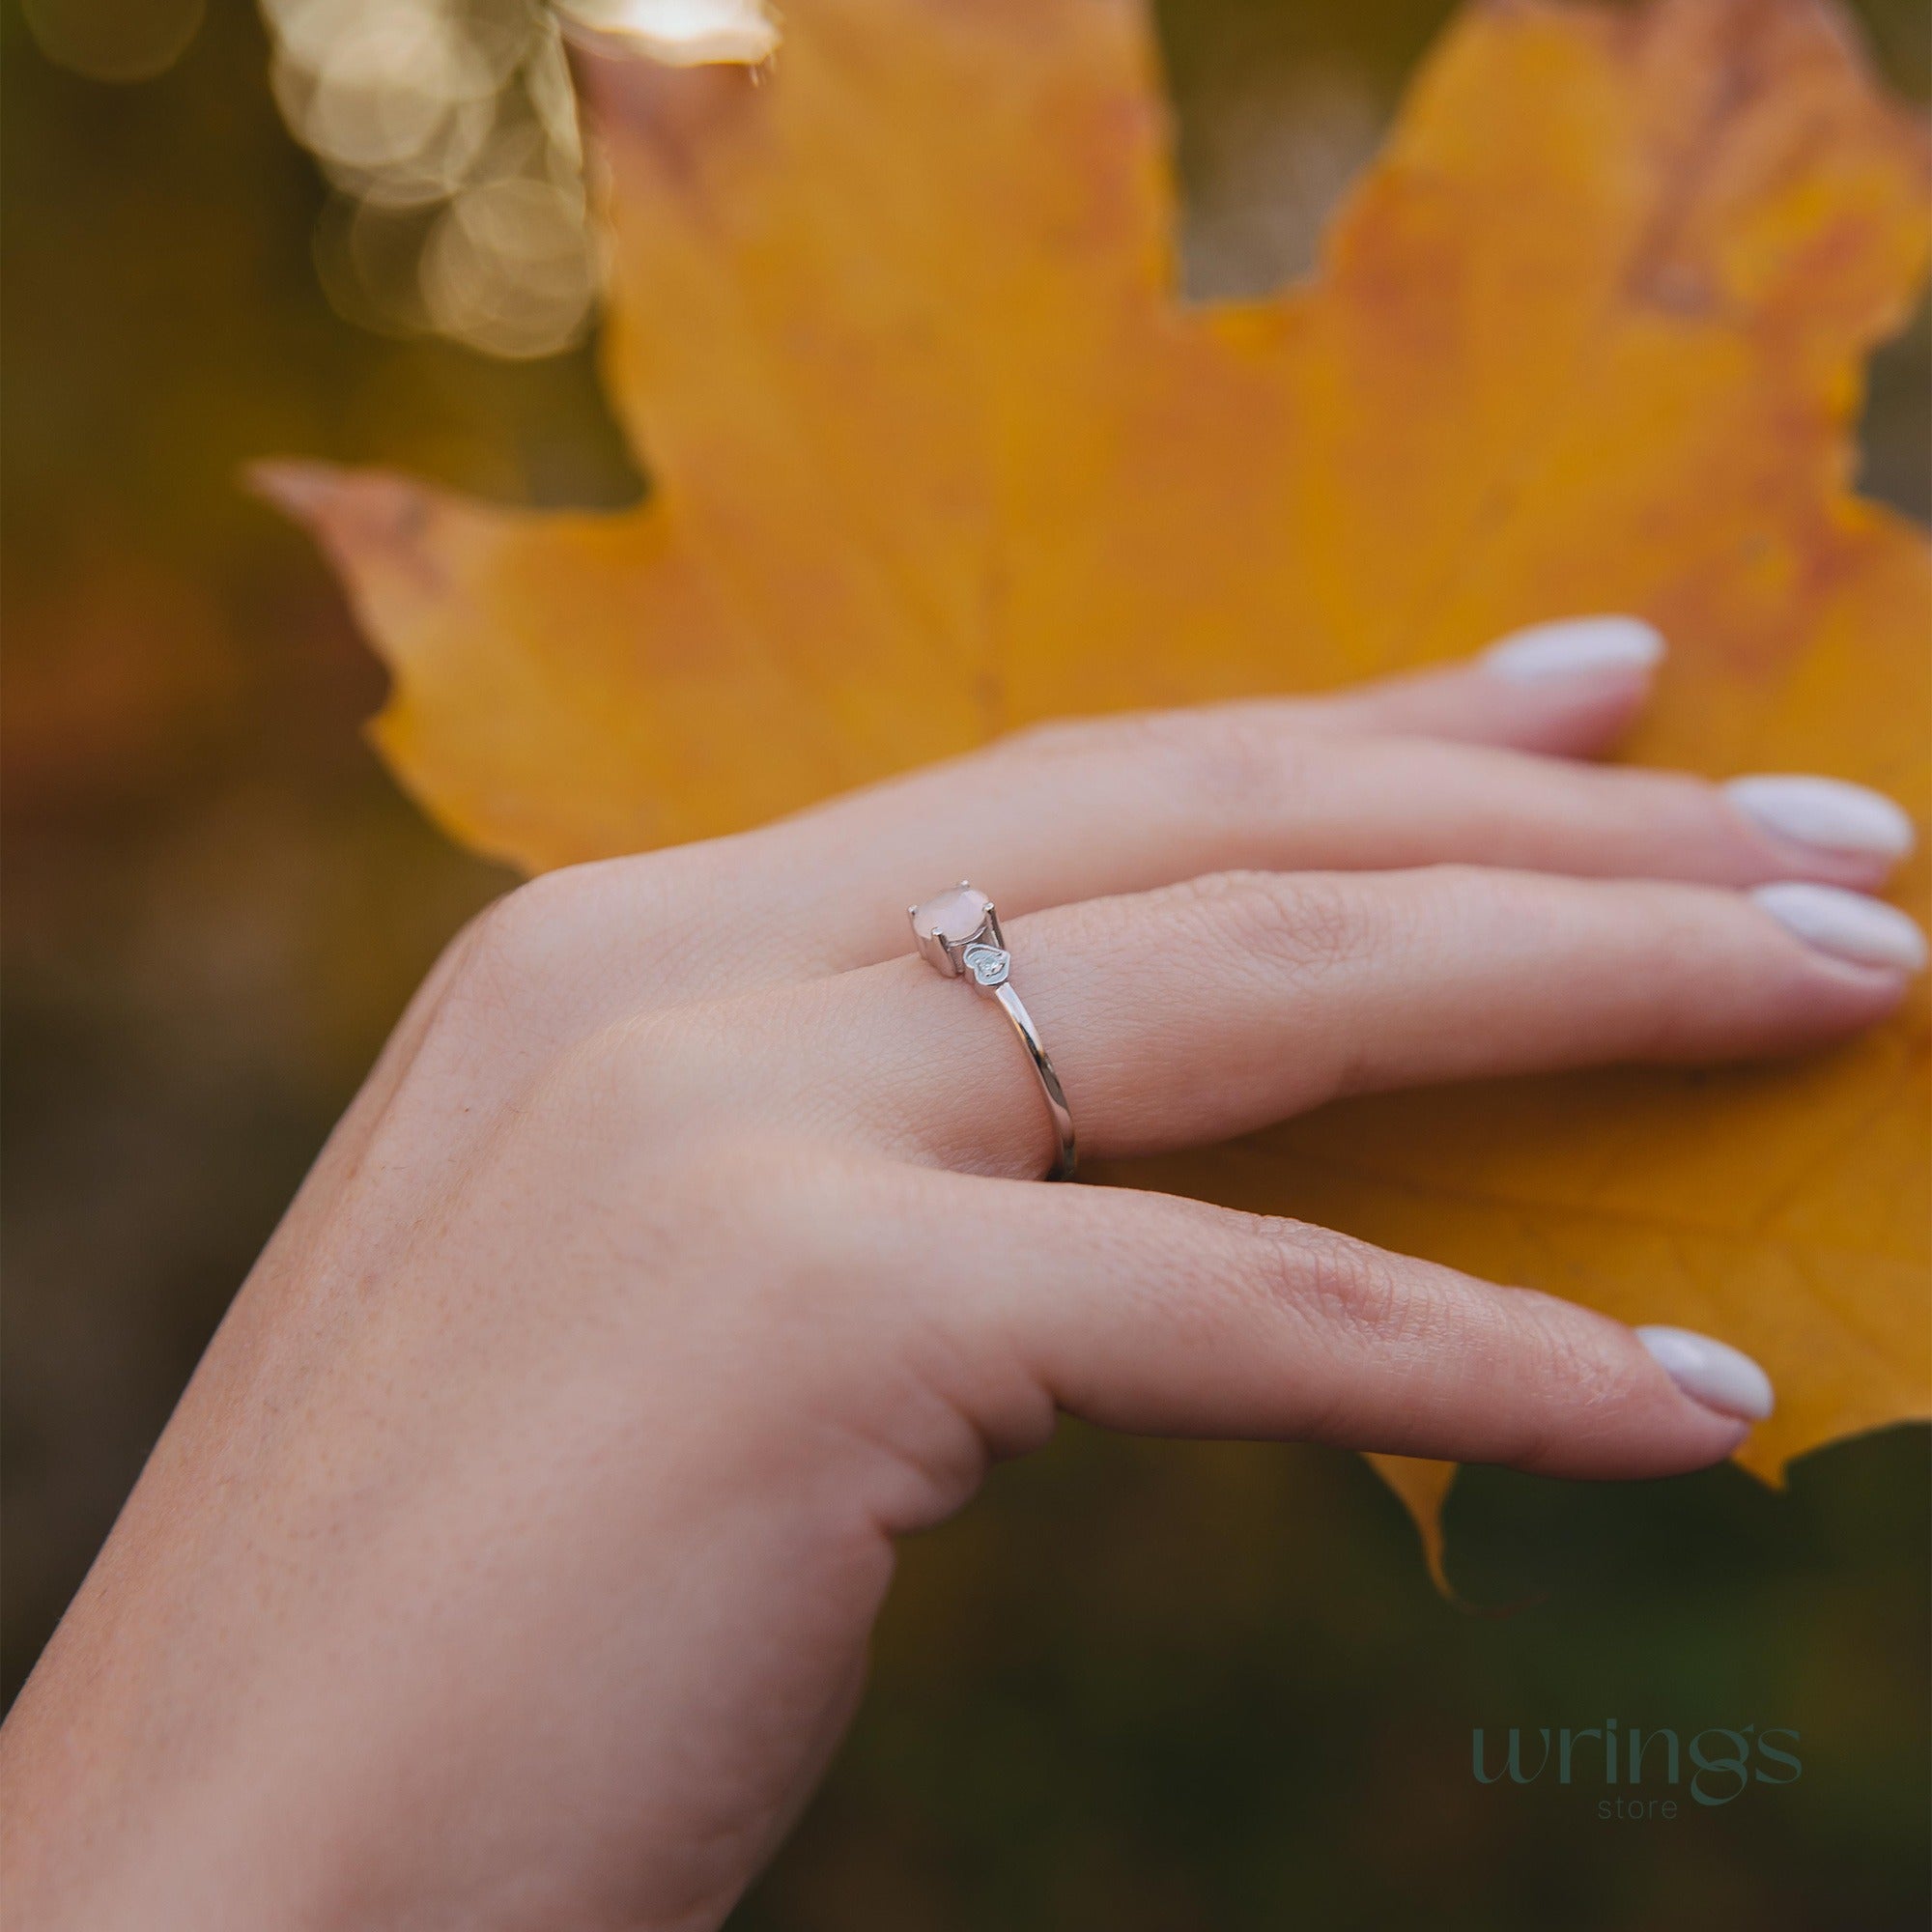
953,915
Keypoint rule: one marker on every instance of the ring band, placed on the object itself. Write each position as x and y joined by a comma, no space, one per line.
959,934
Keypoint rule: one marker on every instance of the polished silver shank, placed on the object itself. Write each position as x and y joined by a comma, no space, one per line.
959,934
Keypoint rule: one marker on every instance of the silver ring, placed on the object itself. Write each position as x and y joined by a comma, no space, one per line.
959,934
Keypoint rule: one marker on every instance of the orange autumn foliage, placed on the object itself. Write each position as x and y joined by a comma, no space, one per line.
937,448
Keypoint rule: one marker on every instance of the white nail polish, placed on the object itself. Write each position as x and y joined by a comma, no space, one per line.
1574,647
1710,1372
1827,813
1848,926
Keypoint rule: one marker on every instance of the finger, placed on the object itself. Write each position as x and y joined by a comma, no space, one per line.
1122,804
1147,1313
1184,1016
1081,808
1568,689
1128,805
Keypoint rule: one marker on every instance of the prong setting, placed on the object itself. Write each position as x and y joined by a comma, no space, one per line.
945,926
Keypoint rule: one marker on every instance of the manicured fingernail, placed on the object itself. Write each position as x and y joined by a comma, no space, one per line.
1574,647
1848,926
1827,813
1710,1372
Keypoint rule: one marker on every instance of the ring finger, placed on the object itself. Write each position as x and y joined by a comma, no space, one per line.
1208,1010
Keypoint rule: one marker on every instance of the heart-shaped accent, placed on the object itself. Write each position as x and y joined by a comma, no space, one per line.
987,964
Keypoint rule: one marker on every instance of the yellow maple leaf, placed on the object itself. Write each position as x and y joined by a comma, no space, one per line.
937,449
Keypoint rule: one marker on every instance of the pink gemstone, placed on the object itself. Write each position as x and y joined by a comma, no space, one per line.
956,915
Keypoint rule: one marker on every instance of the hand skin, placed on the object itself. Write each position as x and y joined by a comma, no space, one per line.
510,1560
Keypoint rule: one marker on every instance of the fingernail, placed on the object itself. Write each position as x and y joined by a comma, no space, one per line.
1827,813
1710,1372
1847,926
1574,648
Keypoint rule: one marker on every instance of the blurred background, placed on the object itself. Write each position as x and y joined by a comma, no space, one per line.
1139,1685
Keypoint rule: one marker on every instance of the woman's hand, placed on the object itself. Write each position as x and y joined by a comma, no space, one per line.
510,1560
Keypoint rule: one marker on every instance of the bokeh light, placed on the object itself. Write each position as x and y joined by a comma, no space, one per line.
505,266
448,131
113,40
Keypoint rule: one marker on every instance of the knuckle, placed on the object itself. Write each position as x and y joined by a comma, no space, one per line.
1299,923
520,939
551,935
1239,762
1569,1388
1335,1283
1561,1349
1224,762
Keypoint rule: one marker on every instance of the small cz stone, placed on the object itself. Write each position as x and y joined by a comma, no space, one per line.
987,964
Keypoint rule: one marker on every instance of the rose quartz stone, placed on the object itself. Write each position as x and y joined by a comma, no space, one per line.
954,914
